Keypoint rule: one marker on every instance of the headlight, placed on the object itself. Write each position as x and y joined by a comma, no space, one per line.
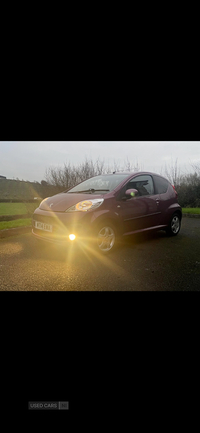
43,201
85,205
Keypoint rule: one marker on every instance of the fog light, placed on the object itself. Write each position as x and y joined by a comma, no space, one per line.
72,237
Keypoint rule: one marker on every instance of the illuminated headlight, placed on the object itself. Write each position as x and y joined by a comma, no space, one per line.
85,205
43,201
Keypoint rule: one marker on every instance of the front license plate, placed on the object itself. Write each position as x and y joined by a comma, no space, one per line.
43,226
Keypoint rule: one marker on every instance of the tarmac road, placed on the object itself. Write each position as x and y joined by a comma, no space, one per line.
153,262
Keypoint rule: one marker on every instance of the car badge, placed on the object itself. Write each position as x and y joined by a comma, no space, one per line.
51,205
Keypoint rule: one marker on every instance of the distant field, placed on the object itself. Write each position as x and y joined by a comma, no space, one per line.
192,210
17,208
17,223
14,189
24,190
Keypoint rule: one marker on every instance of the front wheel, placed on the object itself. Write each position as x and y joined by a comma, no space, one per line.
106,238
175,224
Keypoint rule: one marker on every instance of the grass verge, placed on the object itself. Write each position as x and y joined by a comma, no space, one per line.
17,208
191,210
13,224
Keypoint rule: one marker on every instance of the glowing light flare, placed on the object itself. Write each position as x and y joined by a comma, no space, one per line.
92,253
72,237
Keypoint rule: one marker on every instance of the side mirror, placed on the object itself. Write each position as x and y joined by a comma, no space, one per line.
131,192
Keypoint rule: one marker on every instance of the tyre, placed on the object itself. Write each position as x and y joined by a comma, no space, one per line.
174,226
106,237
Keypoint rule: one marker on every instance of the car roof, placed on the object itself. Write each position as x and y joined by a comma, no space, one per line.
138,173
133,173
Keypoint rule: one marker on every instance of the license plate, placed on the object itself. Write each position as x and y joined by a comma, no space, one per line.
43,226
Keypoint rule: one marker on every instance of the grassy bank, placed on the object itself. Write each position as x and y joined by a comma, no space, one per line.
13,224
12,189
17,208
191,210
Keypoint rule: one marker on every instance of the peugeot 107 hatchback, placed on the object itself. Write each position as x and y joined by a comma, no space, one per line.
105,208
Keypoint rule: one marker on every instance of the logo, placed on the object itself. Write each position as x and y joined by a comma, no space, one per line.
51,205
48,405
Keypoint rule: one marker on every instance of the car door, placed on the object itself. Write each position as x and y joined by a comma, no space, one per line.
166,197
141,211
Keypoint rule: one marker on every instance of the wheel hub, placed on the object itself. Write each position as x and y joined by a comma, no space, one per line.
106,238
175,224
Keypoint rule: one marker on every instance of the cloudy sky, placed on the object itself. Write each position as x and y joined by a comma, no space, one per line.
29,160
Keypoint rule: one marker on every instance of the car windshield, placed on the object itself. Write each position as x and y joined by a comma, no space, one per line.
99,184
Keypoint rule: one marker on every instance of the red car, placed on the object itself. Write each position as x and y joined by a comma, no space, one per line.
105,208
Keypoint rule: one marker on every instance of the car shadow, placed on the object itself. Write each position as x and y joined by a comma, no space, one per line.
139,238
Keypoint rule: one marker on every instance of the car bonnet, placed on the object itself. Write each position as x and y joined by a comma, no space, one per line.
62,202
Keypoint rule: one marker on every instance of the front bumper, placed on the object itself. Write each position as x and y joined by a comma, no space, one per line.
62,226
54,240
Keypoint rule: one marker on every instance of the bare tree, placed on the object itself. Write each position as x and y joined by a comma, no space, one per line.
71,175
100,166
173,173
127,165
116,166
196,168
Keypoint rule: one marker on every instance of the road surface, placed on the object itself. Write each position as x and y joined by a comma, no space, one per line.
142,263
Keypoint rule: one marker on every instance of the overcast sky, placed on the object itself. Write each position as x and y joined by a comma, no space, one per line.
29,160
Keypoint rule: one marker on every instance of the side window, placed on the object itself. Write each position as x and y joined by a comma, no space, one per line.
161,184
144,185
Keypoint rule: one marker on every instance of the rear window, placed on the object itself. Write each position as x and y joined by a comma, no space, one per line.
161,184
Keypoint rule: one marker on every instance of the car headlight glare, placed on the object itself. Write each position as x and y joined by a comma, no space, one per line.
86,205
72,237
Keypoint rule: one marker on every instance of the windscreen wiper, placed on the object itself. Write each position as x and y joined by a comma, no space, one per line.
89,191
